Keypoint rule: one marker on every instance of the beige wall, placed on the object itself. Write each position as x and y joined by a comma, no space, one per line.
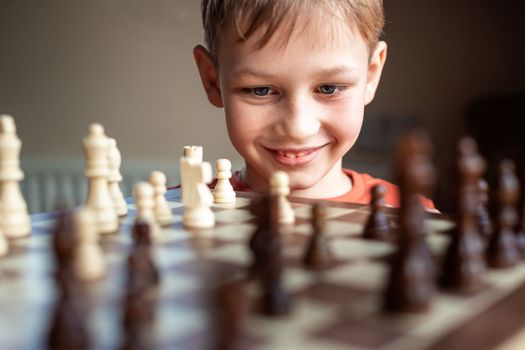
125,63
128,65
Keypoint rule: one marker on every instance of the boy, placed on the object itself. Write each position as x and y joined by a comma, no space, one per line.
293,77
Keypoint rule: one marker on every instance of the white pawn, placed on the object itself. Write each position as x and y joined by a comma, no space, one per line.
280,186
15,220
97,171
223,192
162,209
115,177
89,260
143,194
198,198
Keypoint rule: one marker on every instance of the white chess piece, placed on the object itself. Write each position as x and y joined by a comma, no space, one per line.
15,221
280,186
115,177
89,260
198,197
194,152
162,209
144,196
97,171
223,192
189,152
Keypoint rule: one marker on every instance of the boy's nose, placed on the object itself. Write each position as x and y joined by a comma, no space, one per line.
299,121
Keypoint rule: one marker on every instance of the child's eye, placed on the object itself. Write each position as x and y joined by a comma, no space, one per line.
330,89
260,91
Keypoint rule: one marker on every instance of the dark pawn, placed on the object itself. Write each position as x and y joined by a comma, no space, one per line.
143,275
317,253
463,268
64,243
484,222
138,321
140,296
230,308
68,330
274,300
378,225
410,285
260,208
502,251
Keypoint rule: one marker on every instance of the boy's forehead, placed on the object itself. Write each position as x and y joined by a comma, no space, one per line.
310,31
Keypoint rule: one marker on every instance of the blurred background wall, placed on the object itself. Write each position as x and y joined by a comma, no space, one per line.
128,65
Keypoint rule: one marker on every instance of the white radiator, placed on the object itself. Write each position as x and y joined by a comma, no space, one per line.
56,182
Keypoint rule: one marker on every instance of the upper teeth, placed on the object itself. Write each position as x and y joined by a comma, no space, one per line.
292,155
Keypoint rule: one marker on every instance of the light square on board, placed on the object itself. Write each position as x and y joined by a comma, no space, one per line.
234,232
305,212
292,331
171,204
363,274
176,321
233,253
333,228
233,215
434,225
359,249
296,278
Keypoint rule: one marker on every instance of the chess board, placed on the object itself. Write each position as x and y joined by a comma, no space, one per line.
334,308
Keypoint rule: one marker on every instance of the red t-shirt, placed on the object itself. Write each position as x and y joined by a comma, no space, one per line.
360,192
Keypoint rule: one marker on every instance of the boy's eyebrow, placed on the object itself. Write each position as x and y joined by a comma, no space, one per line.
328,71
253,72
337,70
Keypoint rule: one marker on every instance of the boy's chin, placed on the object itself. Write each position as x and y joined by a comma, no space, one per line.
298,182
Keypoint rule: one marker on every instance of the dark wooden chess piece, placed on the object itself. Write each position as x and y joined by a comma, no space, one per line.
68,329
274,299
318,253
260,207
140,298
378,226
63,243
229,310
463,267
502,251
143,275
410,285
484,221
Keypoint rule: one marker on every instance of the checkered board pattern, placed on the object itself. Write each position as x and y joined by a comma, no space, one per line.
334,308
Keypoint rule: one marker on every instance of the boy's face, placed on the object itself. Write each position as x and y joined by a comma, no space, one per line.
296,107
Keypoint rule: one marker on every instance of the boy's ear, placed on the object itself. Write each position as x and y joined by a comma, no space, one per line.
209,76
375,67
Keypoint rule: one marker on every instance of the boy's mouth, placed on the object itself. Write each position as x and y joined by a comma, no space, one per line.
295,157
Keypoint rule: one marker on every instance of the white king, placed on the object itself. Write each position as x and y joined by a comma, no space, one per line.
15,221
99,200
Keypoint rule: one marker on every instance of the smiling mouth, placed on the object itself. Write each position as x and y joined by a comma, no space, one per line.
295,157
296,154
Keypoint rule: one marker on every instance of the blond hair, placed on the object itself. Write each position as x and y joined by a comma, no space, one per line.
245,17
